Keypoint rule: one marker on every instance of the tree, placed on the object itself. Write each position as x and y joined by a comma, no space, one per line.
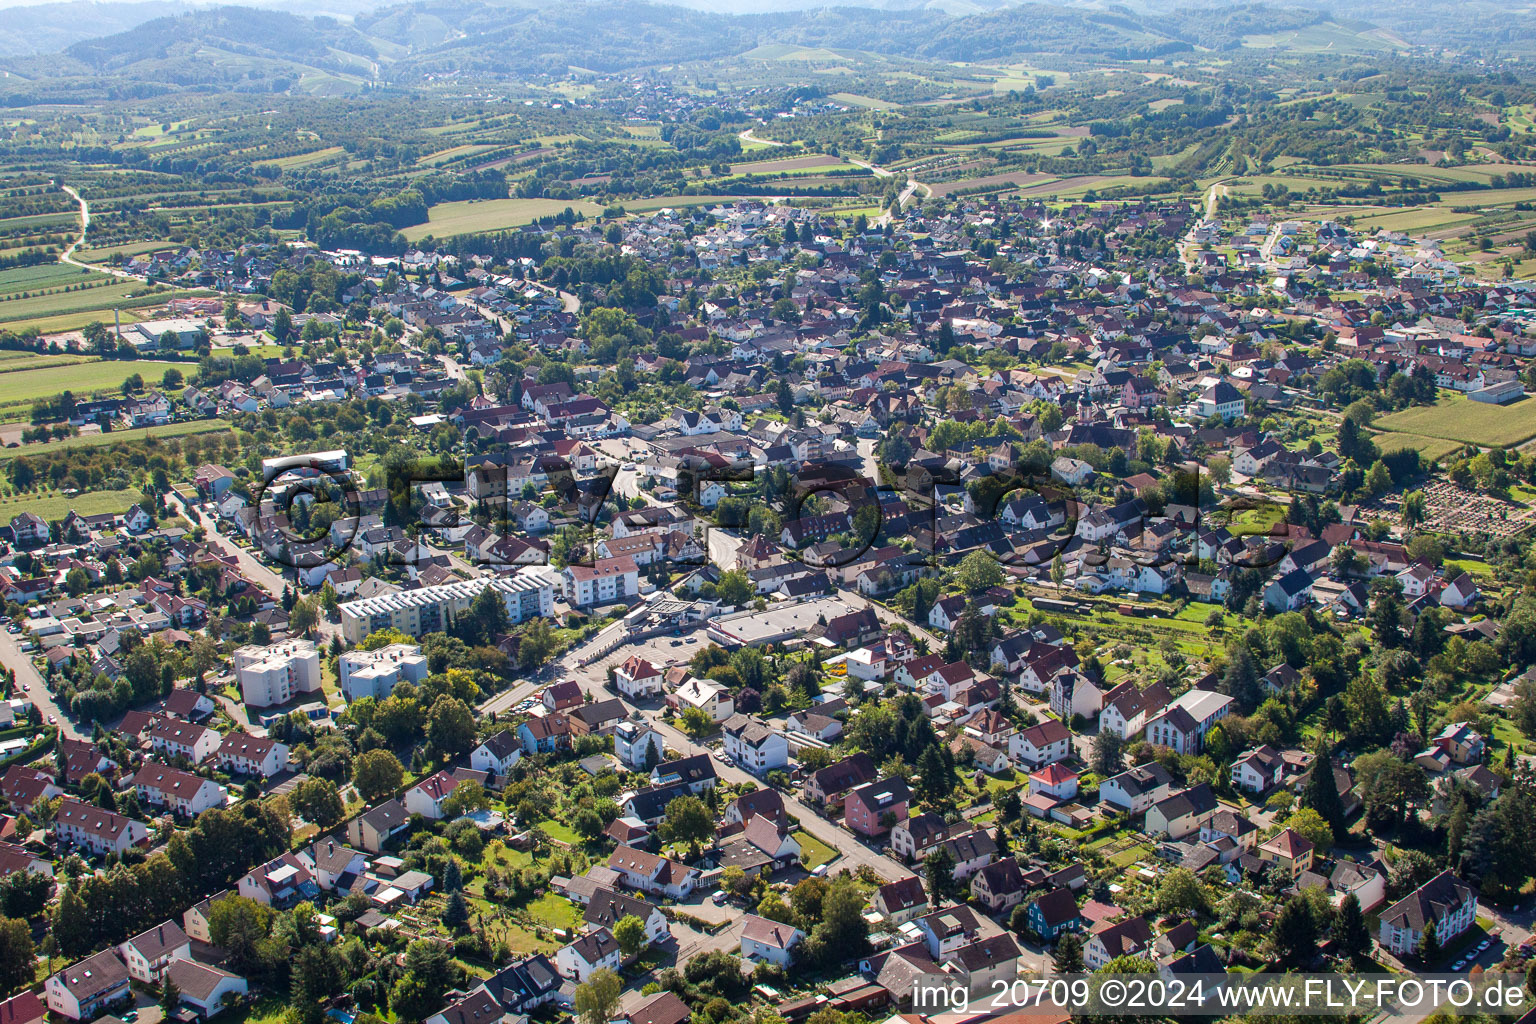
1350,933
77,581
978,571
1429,947
451,726
1295,935
597,998
468,796
317,801
696,722
170,997
734,588
240,925
376,774
72,927
939,871
687,821
1311,825
24,894
18,959
1180,894
1321,793
456,913
842,932
1388,786
629,933
1068,955
1106,758
304,616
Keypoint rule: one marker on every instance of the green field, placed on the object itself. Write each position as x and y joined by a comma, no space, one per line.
1457,419
73,321
117,437
24,386
447,219
53,505
44,311
1429,447
45,275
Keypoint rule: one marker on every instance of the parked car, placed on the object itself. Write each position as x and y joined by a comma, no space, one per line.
718,897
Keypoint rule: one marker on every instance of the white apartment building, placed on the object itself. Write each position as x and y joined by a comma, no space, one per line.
527,593
603,582
376,673
277,673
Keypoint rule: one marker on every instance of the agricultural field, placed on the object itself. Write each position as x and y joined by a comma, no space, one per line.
1458,419
461,218
117,437
53,297
45,276
1429,447
22,386
813,163
53,505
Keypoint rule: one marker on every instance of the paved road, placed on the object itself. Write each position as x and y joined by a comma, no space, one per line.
747,136
593,679
68,255
256,570
11,657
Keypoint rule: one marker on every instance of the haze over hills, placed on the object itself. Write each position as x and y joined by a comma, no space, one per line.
357,45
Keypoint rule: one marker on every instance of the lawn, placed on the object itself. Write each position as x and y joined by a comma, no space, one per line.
447,219
813,852
53,505
1459,419
555,912
560,832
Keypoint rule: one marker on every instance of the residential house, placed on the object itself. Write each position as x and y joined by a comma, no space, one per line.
872,809
1182,813
1137,789
204,988
768,941
754,745
1040,744
648,872
1053,913
1130,937
1290,852
82,990
149,953
372,829
901,901
999,886
594,950
1258,770
1445,900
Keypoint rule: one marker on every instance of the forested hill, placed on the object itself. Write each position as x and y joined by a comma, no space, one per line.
401,44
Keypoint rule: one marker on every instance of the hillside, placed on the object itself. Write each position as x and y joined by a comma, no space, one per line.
249,49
